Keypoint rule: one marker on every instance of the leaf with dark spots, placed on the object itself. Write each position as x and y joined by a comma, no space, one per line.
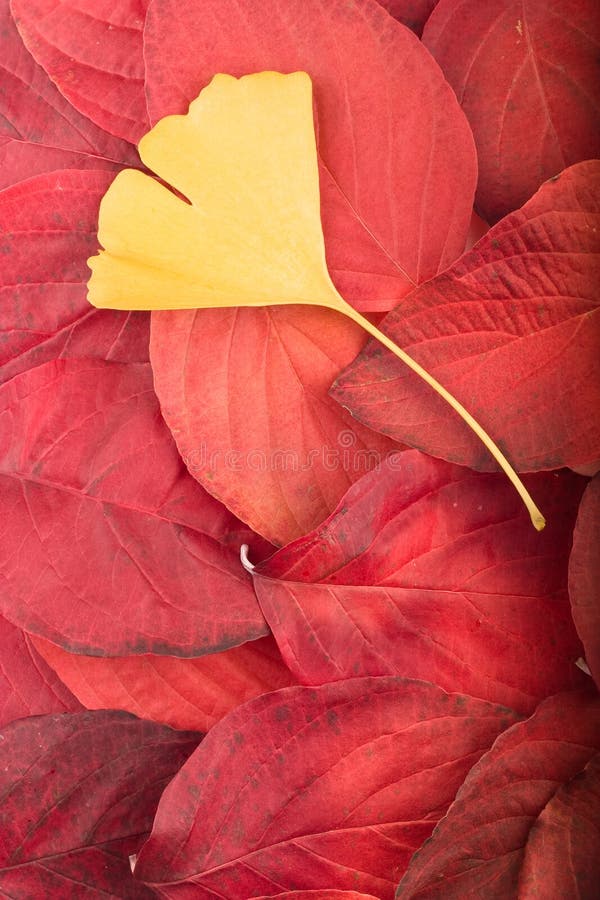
92,51
79,792
511,330
427,570
273,802
526,75
584,576
47,231
522,814
28,686
86,522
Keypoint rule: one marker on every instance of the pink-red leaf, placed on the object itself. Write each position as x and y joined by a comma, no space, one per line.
78,793
310,788
92,51
526,75
39,129
47,231
492,843
412,13
427,570
28,686
182,693
584,576
512,330
398,162
99,516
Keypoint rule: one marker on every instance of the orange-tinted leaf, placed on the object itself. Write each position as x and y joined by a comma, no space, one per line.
584,576
28,686
310,788
47,230
182,693
526,75
427,570
492,841
78,794
99,515
511,330
92,50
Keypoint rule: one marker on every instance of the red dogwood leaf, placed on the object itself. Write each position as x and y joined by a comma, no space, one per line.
28,686
412,13
584,576
78,793
182,693
92,50
100,515
428,570
492,842
526,75
47,231
310,788
511,330
398,162
264,437
39,129
318,895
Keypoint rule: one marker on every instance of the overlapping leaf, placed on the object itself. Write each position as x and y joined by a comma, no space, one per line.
427,570
92,50
39,129
318,895
584,576
526,75
78,793
182,693
28,686
511,330
87,524
47,231
541,775
310,788
412,13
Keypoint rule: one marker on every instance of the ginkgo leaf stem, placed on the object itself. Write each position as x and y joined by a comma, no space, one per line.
534,513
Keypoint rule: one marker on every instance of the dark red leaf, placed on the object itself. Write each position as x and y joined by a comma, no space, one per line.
39,129
512,330
427,570
310,788
99,516
47,231
492,841
526,75
92,50
318,895
412,13
398,162
584,576
182,693
28,686
78,794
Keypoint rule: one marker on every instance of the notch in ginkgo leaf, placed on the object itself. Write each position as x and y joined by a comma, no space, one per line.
250,234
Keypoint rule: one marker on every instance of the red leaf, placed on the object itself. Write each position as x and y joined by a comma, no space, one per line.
182,693
88,525
78,792
526,75
584,576
39,129
427,570
265,438
511,330
502,813
563,848
398,162
47,231
92,50
28,687
318,895
412,13
310,788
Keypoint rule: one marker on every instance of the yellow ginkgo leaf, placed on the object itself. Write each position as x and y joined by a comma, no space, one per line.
244,227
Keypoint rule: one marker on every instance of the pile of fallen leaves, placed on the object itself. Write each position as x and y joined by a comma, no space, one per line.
392,692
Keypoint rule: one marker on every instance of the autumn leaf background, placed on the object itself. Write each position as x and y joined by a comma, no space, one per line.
393,693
